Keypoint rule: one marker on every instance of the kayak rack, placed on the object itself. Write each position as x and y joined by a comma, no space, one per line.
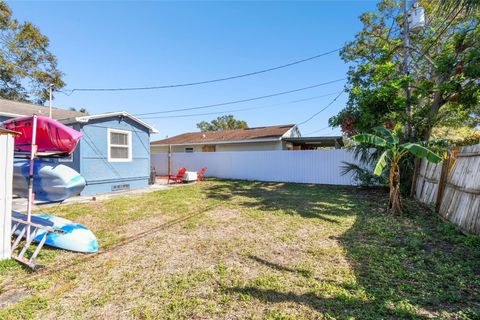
35,229
29,230
49,154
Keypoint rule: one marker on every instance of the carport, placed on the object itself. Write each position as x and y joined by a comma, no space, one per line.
314,143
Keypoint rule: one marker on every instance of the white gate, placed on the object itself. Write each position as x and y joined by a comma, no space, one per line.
309,166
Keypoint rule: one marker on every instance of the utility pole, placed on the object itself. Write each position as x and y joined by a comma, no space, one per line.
50,100
406,44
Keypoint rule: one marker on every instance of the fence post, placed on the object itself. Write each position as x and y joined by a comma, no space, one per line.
416,173
169,160
442,182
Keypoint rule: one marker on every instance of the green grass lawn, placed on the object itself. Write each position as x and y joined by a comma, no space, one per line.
237,249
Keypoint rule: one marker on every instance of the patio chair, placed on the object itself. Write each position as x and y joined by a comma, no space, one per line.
179,177
201,174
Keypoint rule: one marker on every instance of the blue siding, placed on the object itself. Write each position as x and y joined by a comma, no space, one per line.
3,118
75,160
102,175
90,158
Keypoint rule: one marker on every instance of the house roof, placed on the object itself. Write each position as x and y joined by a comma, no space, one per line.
85,118
11,108
257,134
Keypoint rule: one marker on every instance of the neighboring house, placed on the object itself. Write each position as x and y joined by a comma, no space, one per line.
114,152
281,137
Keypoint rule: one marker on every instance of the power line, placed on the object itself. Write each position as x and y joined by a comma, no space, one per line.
437,36
237,110
204,81
323,109
243,100
319,130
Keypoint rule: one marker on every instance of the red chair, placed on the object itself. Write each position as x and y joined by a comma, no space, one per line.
179,177
201,174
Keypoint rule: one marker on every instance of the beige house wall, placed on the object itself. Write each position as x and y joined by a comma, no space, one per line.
225,147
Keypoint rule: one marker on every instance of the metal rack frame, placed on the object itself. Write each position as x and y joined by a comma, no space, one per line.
29,230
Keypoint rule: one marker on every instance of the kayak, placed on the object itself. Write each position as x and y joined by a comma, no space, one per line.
74,236
52,136
52,181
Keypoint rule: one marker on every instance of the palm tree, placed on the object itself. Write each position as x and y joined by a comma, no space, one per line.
393,154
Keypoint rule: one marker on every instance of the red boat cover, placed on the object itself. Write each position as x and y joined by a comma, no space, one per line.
52,136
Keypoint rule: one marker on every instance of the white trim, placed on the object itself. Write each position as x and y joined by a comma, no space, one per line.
109,145
289,131
216,142
85,119
8,114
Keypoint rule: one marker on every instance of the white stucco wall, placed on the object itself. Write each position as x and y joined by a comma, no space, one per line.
161,149
252,146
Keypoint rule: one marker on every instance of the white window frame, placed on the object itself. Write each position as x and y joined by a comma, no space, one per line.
192,150
109,145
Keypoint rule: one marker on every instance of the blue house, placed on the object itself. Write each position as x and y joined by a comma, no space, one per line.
114,153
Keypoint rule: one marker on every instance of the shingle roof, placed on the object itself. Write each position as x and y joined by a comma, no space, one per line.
258,133
26,109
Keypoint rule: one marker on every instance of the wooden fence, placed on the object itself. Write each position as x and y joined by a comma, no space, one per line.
454,188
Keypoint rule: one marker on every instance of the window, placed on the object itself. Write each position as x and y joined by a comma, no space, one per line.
208,148
189,150
119,145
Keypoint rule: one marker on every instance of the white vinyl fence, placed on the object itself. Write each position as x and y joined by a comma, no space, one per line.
312,166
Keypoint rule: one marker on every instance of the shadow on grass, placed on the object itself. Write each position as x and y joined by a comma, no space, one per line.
412,266
342,307
305,200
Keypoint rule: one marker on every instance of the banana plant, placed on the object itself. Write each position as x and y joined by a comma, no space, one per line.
393,154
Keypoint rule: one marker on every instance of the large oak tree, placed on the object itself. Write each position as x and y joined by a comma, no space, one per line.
27,67
444,64
226,122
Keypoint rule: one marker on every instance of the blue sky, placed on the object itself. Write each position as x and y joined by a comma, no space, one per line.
130,44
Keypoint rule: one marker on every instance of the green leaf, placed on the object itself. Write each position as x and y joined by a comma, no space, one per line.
370,139
421,152
381,164
389,135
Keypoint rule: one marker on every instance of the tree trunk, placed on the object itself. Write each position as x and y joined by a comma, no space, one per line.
395,201
416,173
437,103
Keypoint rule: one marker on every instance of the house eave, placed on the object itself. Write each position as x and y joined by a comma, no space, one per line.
85,119
216,142
12,115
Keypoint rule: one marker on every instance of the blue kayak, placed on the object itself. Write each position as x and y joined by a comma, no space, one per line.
75,237
52,181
